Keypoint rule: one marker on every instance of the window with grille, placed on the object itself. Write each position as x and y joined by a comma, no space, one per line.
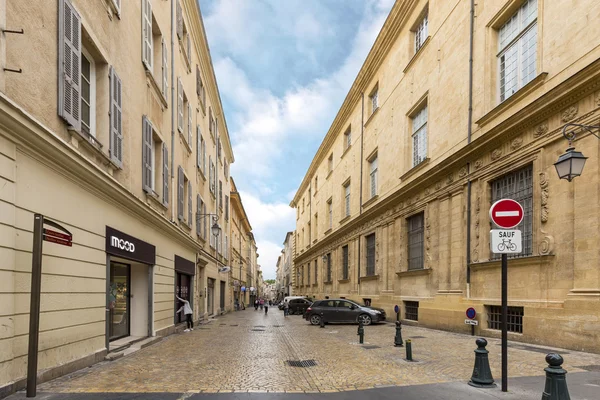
347,199
514,318
370,254
415,241
518,185
345,262
517,48
421,32
373,175
330,163
374,99
316,272
330,211
411,310
308,268
347,139
419,136
316,226
328,267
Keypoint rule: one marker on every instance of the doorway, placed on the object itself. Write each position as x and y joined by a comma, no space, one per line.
222,294
210,297
183,290
119,300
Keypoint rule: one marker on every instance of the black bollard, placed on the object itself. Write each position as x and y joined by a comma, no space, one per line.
361,332
408,350
398,337
556,379
322,323
482,374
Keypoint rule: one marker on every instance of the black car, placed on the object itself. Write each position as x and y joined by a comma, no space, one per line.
343,310
299,306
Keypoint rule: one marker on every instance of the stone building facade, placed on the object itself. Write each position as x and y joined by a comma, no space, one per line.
394,206
111,124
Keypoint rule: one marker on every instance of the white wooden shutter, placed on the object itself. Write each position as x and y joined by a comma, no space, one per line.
189,125
179,105
147,155
165,152
179,21
198,212
210,174
147,39
180,179
69,75
198,147
203,156
205,221
189,204
165,69
116,119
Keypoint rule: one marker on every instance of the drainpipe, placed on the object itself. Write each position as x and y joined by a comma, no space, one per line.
362,131
173,111
469,132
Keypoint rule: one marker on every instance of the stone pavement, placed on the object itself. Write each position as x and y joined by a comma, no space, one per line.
246,351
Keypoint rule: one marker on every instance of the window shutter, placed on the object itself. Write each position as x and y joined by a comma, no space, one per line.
116,123
69,53
188,49
180,193
198,147
198,212
179,21
203,155
210,174
146,155
147,34
189,123
197,80
226,208
179,105
165,69
210,122
204,221
165,152
189,204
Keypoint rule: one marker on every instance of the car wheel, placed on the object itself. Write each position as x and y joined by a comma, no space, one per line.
315,319
366,319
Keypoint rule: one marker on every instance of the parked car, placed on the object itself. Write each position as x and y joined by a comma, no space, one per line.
343,310
288,298
299,306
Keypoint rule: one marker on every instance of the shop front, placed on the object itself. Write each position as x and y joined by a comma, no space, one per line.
129,294
185,270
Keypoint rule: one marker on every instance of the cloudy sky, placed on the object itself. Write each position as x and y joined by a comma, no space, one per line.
283,68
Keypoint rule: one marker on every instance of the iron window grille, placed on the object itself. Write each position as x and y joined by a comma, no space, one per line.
518,185
421,33
373,176
308,274
415,242
371,254
316,272
419,136
345,262
514,318
347,199
328,267
411,310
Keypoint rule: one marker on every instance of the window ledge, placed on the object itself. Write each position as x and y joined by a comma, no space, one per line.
157,91
327,232
415,272
153,198
346,218
371,201
185,55
513,262
185,143
512,100
315,241
414,58
347,149
89,142
415,169
369,278
328,282
201,174
372,115
329,174
343,280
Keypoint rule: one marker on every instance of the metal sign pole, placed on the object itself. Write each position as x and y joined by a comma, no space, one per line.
504,322
34,306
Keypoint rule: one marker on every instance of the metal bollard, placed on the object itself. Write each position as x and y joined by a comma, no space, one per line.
322,323
408,350
398,337
556,379
361,332
482,374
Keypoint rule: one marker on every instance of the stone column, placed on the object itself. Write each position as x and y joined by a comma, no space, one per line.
457,242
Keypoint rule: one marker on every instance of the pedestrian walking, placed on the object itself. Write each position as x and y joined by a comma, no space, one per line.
266,308
255,304
262,303
187,310
286,309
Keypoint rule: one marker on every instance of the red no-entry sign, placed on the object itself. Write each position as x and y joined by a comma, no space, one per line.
506,213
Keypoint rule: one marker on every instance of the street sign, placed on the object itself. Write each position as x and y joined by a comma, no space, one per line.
396,309
506,241
471,313
506,213
57,237
471,322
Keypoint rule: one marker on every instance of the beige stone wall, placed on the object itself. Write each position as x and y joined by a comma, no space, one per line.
558,285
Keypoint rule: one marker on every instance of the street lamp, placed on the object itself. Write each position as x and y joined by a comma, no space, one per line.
215,228
570,165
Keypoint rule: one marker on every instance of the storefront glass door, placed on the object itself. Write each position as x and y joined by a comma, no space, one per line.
182,289
118,300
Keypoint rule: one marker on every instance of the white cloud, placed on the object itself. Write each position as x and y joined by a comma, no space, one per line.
268,254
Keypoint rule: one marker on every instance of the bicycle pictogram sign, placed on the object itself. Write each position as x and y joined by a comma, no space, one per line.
505,241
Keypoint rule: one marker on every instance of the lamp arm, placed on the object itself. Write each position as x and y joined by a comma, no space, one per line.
570,136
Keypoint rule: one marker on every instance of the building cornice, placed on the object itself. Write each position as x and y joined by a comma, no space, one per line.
385,39
40,143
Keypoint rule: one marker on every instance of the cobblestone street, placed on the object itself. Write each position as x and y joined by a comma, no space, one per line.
247,352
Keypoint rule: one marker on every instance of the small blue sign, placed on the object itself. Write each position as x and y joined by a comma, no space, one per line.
471,313
396,309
